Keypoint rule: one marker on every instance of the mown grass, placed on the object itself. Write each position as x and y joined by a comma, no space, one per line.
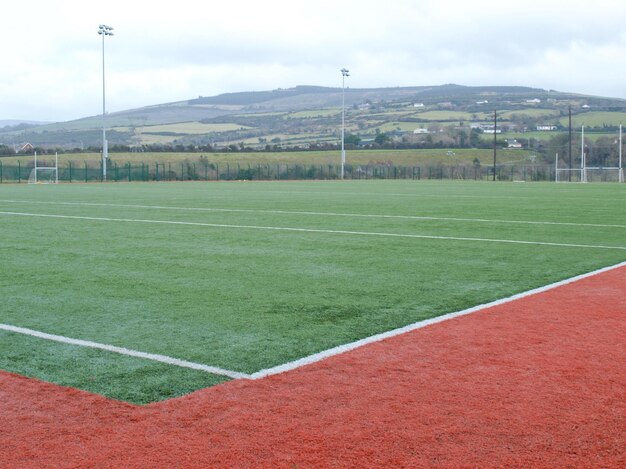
234,292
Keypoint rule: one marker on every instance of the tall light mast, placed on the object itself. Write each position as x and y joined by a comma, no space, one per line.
104,30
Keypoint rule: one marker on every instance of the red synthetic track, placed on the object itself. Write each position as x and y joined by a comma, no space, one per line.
537,382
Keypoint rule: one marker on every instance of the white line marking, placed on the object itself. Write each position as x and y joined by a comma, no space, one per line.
313,230
125,351
330,214
418,325
305,360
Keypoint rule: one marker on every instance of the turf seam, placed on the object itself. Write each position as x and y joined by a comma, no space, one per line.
314,358
313,230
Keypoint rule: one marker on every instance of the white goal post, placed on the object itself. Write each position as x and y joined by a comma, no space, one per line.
45,174
591,173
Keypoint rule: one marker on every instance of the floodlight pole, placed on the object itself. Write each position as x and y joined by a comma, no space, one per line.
569,173
104,30
344,73
583,162
621,168
495,141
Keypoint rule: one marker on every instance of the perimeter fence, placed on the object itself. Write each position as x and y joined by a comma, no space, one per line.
206,171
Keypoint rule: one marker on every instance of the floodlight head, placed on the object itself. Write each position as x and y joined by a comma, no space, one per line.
103,29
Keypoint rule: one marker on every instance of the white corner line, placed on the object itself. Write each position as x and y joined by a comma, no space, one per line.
305,360
124,351
420,324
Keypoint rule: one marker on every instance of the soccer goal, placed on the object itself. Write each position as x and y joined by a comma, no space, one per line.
45,174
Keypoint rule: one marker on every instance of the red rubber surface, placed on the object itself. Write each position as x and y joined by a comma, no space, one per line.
537,382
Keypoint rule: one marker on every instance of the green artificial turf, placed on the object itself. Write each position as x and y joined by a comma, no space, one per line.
224,287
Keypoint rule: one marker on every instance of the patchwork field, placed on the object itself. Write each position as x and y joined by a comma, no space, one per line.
240,278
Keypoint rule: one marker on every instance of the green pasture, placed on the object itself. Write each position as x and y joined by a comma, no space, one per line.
246,276
595,119
546,113
447,116
314,113
195,128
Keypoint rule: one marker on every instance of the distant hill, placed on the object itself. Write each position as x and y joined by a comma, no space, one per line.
306,115
11,123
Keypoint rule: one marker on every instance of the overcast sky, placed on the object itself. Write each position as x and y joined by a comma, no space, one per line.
165,51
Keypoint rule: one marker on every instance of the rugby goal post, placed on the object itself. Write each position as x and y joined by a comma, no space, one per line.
567,174
45,174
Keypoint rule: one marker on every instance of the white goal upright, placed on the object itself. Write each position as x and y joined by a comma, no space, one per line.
45,174
591,173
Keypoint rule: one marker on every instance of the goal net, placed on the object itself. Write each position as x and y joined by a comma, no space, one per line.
568,175
597,174
44,175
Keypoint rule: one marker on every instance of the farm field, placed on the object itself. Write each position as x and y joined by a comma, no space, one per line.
245,277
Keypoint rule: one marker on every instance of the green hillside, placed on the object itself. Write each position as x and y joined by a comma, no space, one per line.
446,116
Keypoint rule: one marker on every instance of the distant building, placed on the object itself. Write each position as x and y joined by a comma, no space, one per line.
546,128
418,104
513,144
421,131
26,148
489,129
533,101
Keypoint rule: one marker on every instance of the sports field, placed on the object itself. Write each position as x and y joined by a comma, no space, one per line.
233,280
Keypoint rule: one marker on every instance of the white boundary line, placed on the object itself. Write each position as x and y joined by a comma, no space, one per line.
330,214
313,230
311,358
418,325
124,351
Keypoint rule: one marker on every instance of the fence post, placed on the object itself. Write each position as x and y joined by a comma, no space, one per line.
0,172
19,172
